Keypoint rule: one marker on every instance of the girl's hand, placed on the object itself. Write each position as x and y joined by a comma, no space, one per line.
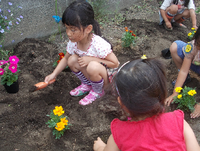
169,100
99,145
195,27
49,78
83,61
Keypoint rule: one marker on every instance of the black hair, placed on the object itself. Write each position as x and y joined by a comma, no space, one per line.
141,86
80,14
186,2
196,37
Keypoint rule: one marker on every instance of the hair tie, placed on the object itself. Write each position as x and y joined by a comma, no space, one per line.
144,57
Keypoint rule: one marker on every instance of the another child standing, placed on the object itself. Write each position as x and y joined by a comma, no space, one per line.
186,56
177,11
141,89
88,55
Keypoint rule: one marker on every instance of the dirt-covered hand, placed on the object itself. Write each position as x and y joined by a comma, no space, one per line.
99,145
83,61
169,25
196,112
170,99
49,78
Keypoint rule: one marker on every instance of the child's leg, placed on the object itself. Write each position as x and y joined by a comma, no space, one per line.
177,53
171,11
85,83
182,16
98,77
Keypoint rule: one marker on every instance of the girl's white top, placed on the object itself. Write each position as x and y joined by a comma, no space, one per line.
99,48
168,3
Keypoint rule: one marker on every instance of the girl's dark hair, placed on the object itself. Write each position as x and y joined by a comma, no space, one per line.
141,85
80,14
197,37
185,3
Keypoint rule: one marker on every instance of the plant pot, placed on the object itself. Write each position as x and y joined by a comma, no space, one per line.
14,88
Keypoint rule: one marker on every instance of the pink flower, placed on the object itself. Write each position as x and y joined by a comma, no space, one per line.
13,68
2,62
13,59
1,71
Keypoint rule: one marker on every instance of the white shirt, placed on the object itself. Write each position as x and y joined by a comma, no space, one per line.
99,48
168,3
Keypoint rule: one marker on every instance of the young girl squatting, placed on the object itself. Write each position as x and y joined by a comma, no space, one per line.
186,56
88,55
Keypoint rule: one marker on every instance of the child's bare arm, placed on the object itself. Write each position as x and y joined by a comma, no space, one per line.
193,17
99,145
58,69
190,139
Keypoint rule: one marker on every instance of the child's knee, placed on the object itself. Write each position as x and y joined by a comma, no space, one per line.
173,48
172,9
72,60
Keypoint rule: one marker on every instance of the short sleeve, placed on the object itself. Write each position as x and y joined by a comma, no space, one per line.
191,5
101,47
166,4
189,50
70,47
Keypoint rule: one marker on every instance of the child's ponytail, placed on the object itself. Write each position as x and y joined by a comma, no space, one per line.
96,28
185,3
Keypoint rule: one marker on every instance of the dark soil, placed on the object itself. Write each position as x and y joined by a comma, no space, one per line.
23,115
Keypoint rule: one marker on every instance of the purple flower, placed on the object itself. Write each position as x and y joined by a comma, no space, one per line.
9,10
1,71
21,17
10,23
8,27
13,68
18,19
9,3
13,59
19,7
5,17
0,9
13,41
2,31
0,45
17,23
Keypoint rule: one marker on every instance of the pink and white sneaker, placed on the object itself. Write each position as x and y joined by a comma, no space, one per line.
92,96
80,90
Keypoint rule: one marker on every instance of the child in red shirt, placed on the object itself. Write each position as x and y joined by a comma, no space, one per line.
141,89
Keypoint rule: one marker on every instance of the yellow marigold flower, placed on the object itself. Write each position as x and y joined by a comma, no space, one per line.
192,92
179,96
144,57
188,48
193,28
195,31
63,120
178,89
58,111
126,30
189,34
60,126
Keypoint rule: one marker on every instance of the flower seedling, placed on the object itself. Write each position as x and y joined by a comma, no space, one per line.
191,34
9,70
185,98
60,56
58,122
128,38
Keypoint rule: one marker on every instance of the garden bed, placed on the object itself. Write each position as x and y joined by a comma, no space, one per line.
23,115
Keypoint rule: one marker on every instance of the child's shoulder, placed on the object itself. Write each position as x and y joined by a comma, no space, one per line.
99,42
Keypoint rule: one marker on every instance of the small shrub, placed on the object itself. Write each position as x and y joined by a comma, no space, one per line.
128,38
